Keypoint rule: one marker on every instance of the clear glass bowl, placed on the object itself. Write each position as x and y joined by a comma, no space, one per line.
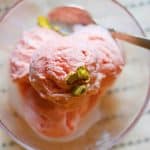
123,104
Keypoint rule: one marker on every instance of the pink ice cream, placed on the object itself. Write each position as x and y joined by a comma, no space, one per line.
92,47
42,61
47,119
30,42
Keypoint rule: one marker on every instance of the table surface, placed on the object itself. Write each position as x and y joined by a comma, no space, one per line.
139,137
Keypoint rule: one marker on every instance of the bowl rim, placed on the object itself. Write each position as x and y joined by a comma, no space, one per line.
117,139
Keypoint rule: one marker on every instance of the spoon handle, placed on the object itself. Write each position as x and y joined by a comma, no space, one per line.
139,41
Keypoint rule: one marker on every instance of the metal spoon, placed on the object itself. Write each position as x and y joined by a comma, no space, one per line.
137,40
67,16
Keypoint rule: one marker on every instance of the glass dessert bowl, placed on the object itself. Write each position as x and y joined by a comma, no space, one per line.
120,107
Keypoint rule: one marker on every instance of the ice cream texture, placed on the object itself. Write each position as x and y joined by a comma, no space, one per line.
40,65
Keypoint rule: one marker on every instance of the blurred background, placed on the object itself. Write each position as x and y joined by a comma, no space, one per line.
139,137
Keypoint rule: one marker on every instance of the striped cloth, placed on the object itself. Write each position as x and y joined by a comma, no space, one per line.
139,137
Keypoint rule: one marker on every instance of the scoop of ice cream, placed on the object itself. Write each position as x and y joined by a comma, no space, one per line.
91,46
43,59
47,119
30,42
